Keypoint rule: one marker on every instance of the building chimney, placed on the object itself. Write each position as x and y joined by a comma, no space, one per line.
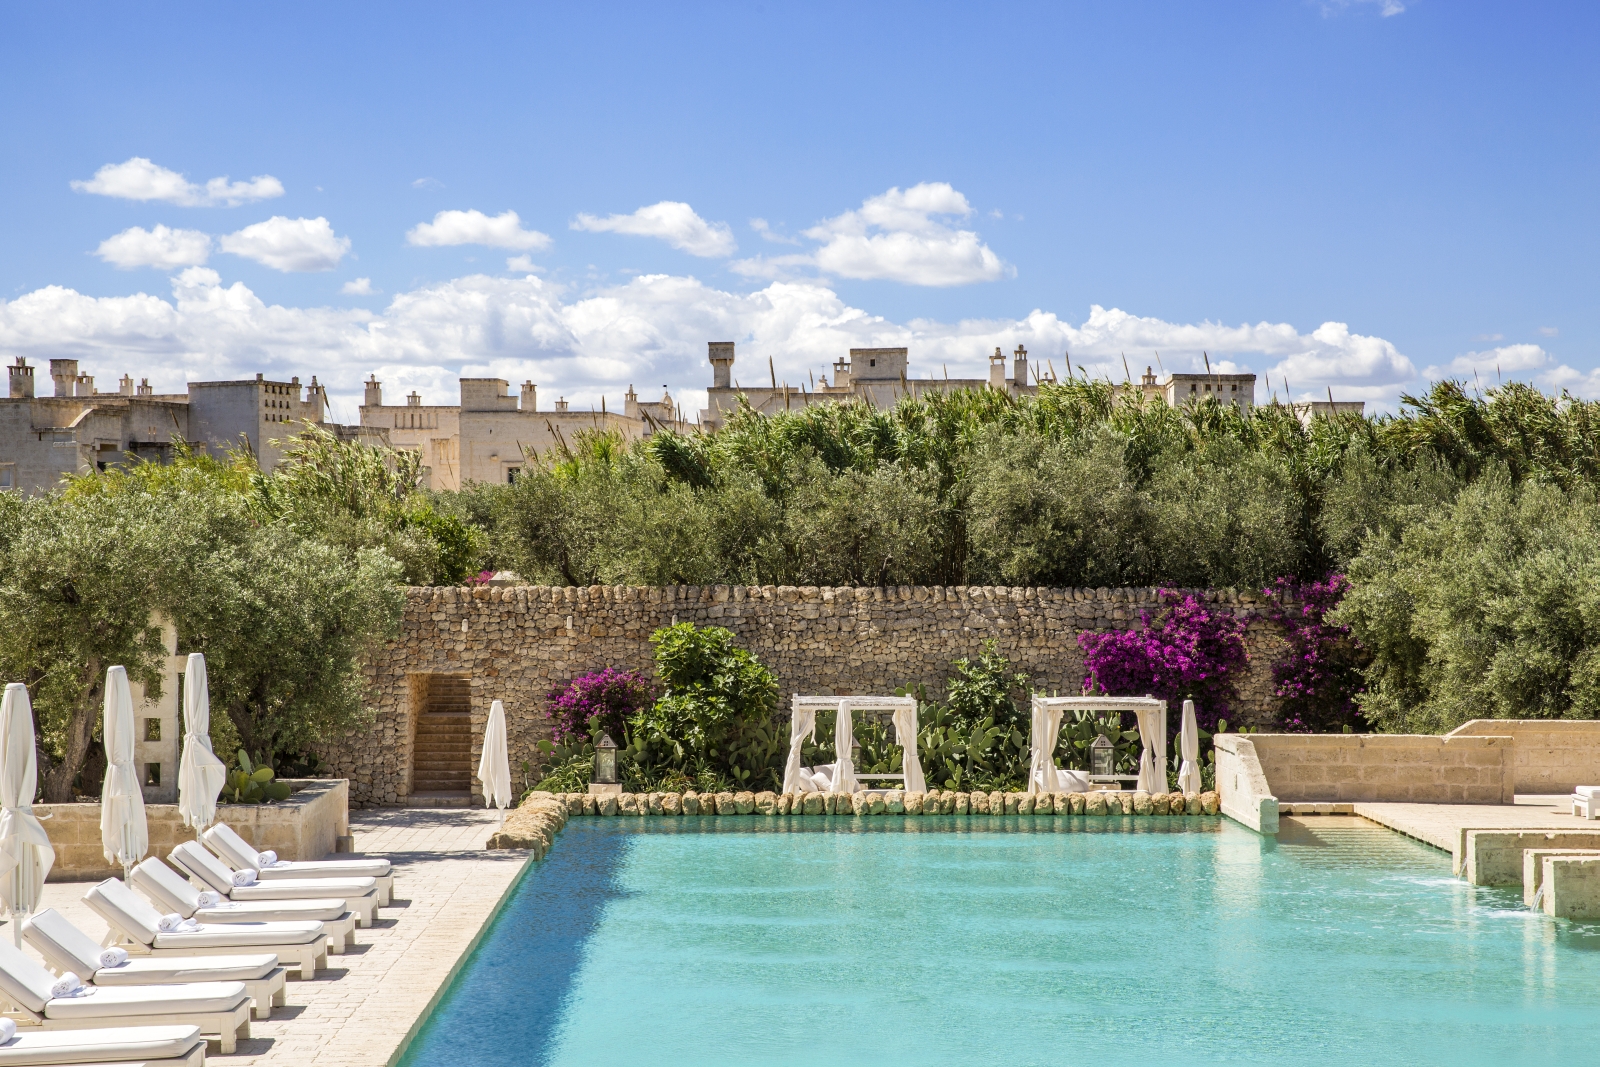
1019,367
85,385
721,353
530,397
841,374
374,397
64,373
144,387
561,405
997,370
125,386
630,403
413,399
21,380
316,398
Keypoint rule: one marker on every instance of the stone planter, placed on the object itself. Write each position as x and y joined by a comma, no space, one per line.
312,823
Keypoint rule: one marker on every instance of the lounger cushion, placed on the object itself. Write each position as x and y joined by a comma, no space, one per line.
164,970
1592,792
133,1001
238,853
22,981
300,889
124,910
273,911
31,1047
244,935
63,946
166,888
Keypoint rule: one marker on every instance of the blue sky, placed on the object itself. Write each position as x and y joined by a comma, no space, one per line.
1357,196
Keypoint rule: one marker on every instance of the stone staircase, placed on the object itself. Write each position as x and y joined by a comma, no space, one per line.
441,756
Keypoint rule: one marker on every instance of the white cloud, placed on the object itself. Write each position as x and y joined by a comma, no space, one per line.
140,179
769,234
649,331
673,222
427,183
358,287
161,247
288,244
902,235
523,265
1386,8
1549,331
1506,359
475,228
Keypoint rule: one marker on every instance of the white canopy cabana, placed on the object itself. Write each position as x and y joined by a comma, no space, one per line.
1045,729
840,776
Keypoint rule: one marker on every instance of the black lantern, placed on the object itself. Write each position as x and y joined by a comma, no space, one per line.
605,761
1102,757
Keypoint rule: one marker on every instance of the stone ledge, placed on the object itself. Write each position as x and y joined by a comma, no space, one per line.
885,802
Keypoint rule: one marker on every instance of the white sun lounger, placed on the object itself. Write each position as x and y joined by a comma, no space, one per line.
169,892
66,948
302,946
120,1046
360,895
237,853
220,1008
1586,802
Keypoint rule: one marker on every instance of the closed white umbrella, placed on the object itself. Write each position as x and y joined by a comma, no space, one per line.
844,775
1189,747
494,767
201,775
1152,779
25,845
124,836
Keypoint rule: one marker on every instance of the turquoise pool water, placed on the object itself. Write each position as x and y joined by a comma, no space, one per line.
746,941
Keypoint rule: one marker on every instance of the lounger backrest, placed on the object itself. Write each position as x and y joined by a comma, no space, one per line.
63,946
165,887
124,910
23,982
196,862
234,850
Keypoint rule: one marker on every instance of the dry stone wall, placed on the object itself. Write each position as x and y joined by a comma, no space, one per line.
516,643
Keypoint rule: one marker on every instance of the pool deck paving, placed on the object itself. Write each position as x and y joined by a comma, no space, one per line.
361,1010
1440,825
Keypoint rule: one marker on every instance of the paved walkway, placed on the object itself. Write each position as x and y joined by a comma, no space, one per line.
360,1010
1440,825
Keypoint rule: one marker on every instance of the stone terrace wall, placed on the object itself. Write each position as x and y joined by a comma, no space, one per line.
516,643
1553,756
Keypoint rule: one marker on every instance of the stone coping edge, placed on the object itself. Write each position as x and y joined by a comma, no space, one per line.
885,802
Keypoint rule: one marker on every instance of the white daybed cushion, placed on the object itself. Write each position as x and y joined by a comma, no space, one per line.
66,948
22,981
1590,791
237,853
210,870
244,935
109,1044
131,1001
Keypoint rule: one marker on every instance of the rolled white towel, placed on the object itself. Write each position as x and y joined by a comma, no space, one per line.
8,1030
113,957
210,898
169,922
244,877
268,858
69,985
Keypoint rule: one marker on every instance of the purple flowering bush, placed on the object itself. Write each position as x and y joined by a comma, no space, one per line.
612,694
1190,650
1317,679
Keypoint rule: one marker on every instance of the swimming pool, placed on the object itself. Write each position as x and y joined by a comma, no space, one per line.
750,940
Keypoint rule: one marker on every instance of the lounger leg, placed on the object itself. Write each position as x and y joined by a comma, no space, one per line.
281,997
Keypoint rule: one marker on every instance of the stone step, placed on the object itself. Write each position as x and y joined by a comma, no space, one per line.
439,799
423,765
446,782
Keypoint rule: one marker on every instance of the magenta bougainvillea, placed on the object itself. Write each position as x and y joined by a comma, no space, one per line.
1319,675
612,694
1190,650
